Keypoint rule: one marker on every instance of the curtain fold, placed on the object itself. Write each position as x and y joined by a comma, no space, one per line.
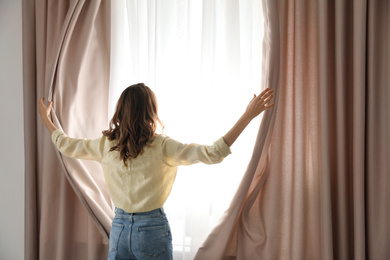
319,188
377,163
66,47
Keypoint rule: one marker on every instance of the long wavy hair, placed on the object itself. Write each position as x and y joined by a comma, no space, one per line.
134,122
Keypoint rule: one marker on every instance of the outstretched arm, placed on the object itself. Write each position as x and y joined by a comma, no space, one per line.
71,147
257,105
44,112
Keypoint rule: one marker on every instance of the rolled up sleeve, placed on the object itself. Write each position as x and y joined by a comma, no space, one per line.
176,153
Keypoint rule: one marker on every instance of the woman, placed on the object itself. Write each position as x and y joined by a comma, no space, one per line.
140,167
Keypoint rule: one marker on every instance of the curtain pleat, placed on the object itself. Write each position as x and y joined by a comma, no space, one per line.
377,163
319,187
66,47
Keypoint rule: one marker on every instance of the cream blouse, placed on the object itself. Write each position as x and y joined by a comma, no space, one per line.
145,183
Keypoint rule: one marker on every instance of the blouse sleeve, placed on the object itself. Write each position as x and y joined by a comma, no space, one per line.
176,153
78,148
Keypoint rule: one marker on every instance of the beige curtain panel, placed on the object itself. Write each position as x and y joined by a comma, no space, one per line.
317,186
66,59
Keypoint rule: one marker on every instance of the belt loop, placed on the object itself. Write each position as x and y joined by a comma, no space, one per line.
162,210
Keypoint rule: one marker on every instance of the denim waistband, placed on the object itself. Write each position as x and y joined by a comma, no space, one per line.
138,215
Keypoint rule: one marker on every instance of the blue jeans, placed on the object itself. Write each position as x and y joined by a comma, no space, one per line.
140,236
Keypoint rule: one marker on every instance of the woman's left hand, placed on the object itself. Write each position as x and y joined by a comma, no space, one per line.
260,103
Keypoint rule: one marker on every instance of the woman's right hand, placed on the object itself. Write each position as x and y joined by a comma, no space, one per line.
44,112
260,103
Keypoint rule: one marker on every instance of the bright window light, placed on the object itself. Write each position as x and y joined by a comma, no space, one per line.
203,61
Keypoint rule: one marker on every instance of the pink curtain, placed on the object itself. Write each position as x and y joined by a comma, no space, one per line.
66,59
317,186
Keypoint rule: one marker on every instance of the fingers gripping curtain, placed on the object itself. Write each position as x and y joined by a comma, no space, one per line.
66,57
317,185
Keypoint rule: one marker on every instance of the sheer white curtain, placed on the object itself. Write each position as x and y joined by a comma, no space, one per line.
203,60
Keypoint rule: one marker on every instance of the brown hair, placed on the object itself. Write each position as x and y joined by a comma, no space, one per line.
134,122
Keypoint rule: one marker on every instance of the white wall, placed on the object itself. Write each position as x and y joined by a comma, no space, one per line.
11,132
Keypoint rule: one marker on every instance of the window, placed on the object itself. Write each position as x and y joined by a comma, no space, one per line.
203,61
